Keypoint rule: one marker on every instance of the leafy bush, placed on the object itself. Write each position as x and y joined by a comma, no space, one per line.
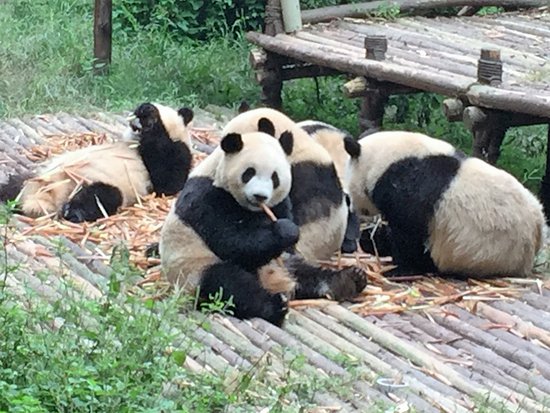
195,19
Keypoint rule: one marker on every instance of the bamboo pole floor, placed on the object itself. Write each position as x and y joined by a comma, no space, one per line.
426,344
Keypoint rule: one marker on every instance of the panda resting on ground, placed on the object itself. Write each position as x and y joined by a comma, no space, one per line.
318,201
113,175
447,213
217,236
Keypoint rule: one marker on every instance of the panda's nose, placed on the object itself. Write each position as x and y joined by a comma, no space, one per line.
260,198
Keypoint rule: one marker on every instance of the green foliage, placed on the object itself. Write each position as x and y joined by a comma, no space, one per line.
194,19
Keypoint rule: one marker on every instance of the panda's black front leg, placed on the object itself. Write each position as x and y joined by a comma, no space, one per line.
314,282
84,206
353,231
409,254
379,237
250,299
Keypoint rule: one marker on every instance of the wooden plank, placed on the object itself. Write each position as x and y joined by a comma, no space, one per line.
509,100
431,82
359,10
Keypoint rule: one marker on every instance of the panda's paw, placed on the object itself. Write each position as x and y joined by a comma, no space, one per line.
287,231
348,283
72,213
276,309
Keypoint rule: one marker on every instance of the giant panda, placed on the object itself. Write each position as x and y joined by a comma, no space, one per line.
318,202
447,213
216,235
92,182
332,139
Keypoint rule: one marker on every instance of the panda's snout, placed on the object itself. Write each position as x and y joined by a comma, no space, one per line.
260,198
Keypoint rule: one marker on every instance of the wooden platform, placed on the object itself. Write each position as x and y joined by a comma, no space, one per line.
447,357
436,55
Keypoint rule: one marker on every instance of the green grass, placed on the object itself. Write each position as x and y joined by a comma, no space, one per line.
46,62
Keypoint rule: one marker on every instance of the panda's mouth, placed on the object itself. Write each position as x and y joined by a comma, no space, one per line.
134,122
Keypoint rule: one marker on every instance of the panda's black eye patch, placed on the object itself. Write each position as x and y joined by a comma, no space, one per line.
275,179
248,175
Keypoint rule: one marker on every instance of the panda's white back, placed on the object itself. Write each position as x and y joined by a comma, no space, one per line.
486,216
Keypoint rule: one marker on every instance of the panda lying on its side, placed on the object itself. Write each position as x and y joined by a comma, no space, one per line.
113,175
446,212
217,236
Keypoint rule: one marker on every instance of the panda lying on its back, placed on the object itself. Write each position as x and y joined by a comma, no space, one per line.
446,212
217,236
112,175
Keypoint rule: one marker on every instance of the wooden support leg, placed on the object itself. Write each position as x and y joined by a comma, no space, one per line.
371,114
545,184
271,81
489,129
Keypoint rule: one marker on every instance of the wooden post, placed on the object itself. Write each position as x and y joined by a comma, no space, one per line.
489,67
371,114
545,183
268,66
488,128
103,17
270,79
453,109
292,19
273,18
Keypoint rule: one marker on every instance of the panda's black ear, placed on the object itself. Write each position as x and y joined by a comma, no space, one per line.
243,107
287,141
266,126
187,115
232,143
353,148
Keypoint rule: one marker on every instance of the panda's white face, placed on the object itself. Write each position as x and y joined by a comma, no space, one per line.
257,173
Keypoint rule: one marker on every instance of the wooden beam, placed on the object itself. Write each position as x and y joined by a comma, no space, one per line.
300,50
103,27
360,10
300,72
361,86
